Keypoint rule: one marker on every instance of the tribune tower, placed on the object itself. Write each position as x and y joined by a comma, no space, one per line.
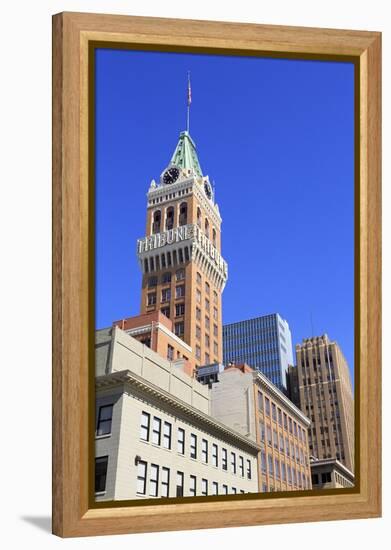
184,273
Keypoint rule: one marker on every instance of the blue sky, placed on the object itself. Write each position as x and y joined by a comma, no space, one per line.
277,137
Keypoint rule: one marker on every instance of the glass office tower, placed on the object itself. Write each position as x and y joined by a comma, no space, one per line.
264,343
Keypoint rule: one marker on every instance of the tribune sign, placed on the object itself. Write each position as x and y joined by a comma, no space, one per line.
190,232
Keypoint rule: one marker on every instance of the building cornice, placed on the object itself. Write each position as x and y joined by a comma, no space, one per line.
127,377
331,461
159,326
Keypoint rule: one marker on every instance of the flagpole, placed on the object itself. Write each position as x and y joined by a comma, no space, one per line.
188,101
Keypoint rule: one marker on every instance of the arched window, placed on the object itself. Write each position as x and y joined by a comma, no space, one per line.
199,217
207,227
170,218
214,236
183,213
157,216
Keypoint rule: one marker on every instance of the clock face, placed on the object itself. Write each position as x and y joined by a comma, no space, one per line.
208,190
170,175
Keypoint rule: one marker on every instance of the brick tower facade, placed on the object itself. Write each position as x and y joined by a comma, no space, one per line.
184,273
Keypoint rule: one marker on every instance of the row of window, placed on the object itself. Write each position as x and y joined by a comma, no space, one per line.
166,295
166,278
282,444
170,196
285,472
158,432
159,478
270,409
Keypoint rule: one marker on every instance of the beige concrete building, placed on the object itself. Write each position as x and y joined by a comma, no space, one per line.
246,400
154,433
330,473
184,273
326,397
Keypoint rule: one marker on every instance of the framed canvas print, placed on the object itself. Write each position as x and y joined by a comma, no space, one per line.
216,299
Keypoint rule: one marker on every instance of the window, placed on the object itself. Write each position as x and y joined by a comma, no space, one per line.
241,466
101,473
166,278
198,332
283,471
170,352
215,488
233,463
215,348
207,227
204,487
215,297
207,288
234,491
167,428
214,236
275,439
157,216
279,417
179,310
277,468
193,486
104,420
151,299
207,340
290,425
214,455
289,475
274,412
198,296
180,291
207,323
287,446
267,406
199,217
270,461
215,313
198,278
166,311
165,483
166,295
224,459
183,214
315,479
181,441
198,352
141,477
179,328
295,428
207,304
248,469
193,446
225,490
179,484
269,435
153,480
156,430
180,275
281,444
285,421
215,330
260,401
263,462
170,218
326,477
152,281
144,426
198,314
204,451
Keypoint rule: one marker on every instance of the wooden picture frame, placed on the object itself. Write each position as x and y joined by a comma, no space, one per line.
73,513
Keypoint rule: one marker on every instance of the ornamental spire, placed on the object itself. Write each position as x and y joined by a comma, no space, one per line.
188,101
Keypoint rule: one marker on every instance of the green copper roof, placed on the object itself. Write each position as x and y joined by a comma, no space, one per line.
185,154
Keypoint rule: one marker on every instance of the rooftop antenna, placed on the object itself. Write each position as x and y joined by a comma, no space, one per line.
188,101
